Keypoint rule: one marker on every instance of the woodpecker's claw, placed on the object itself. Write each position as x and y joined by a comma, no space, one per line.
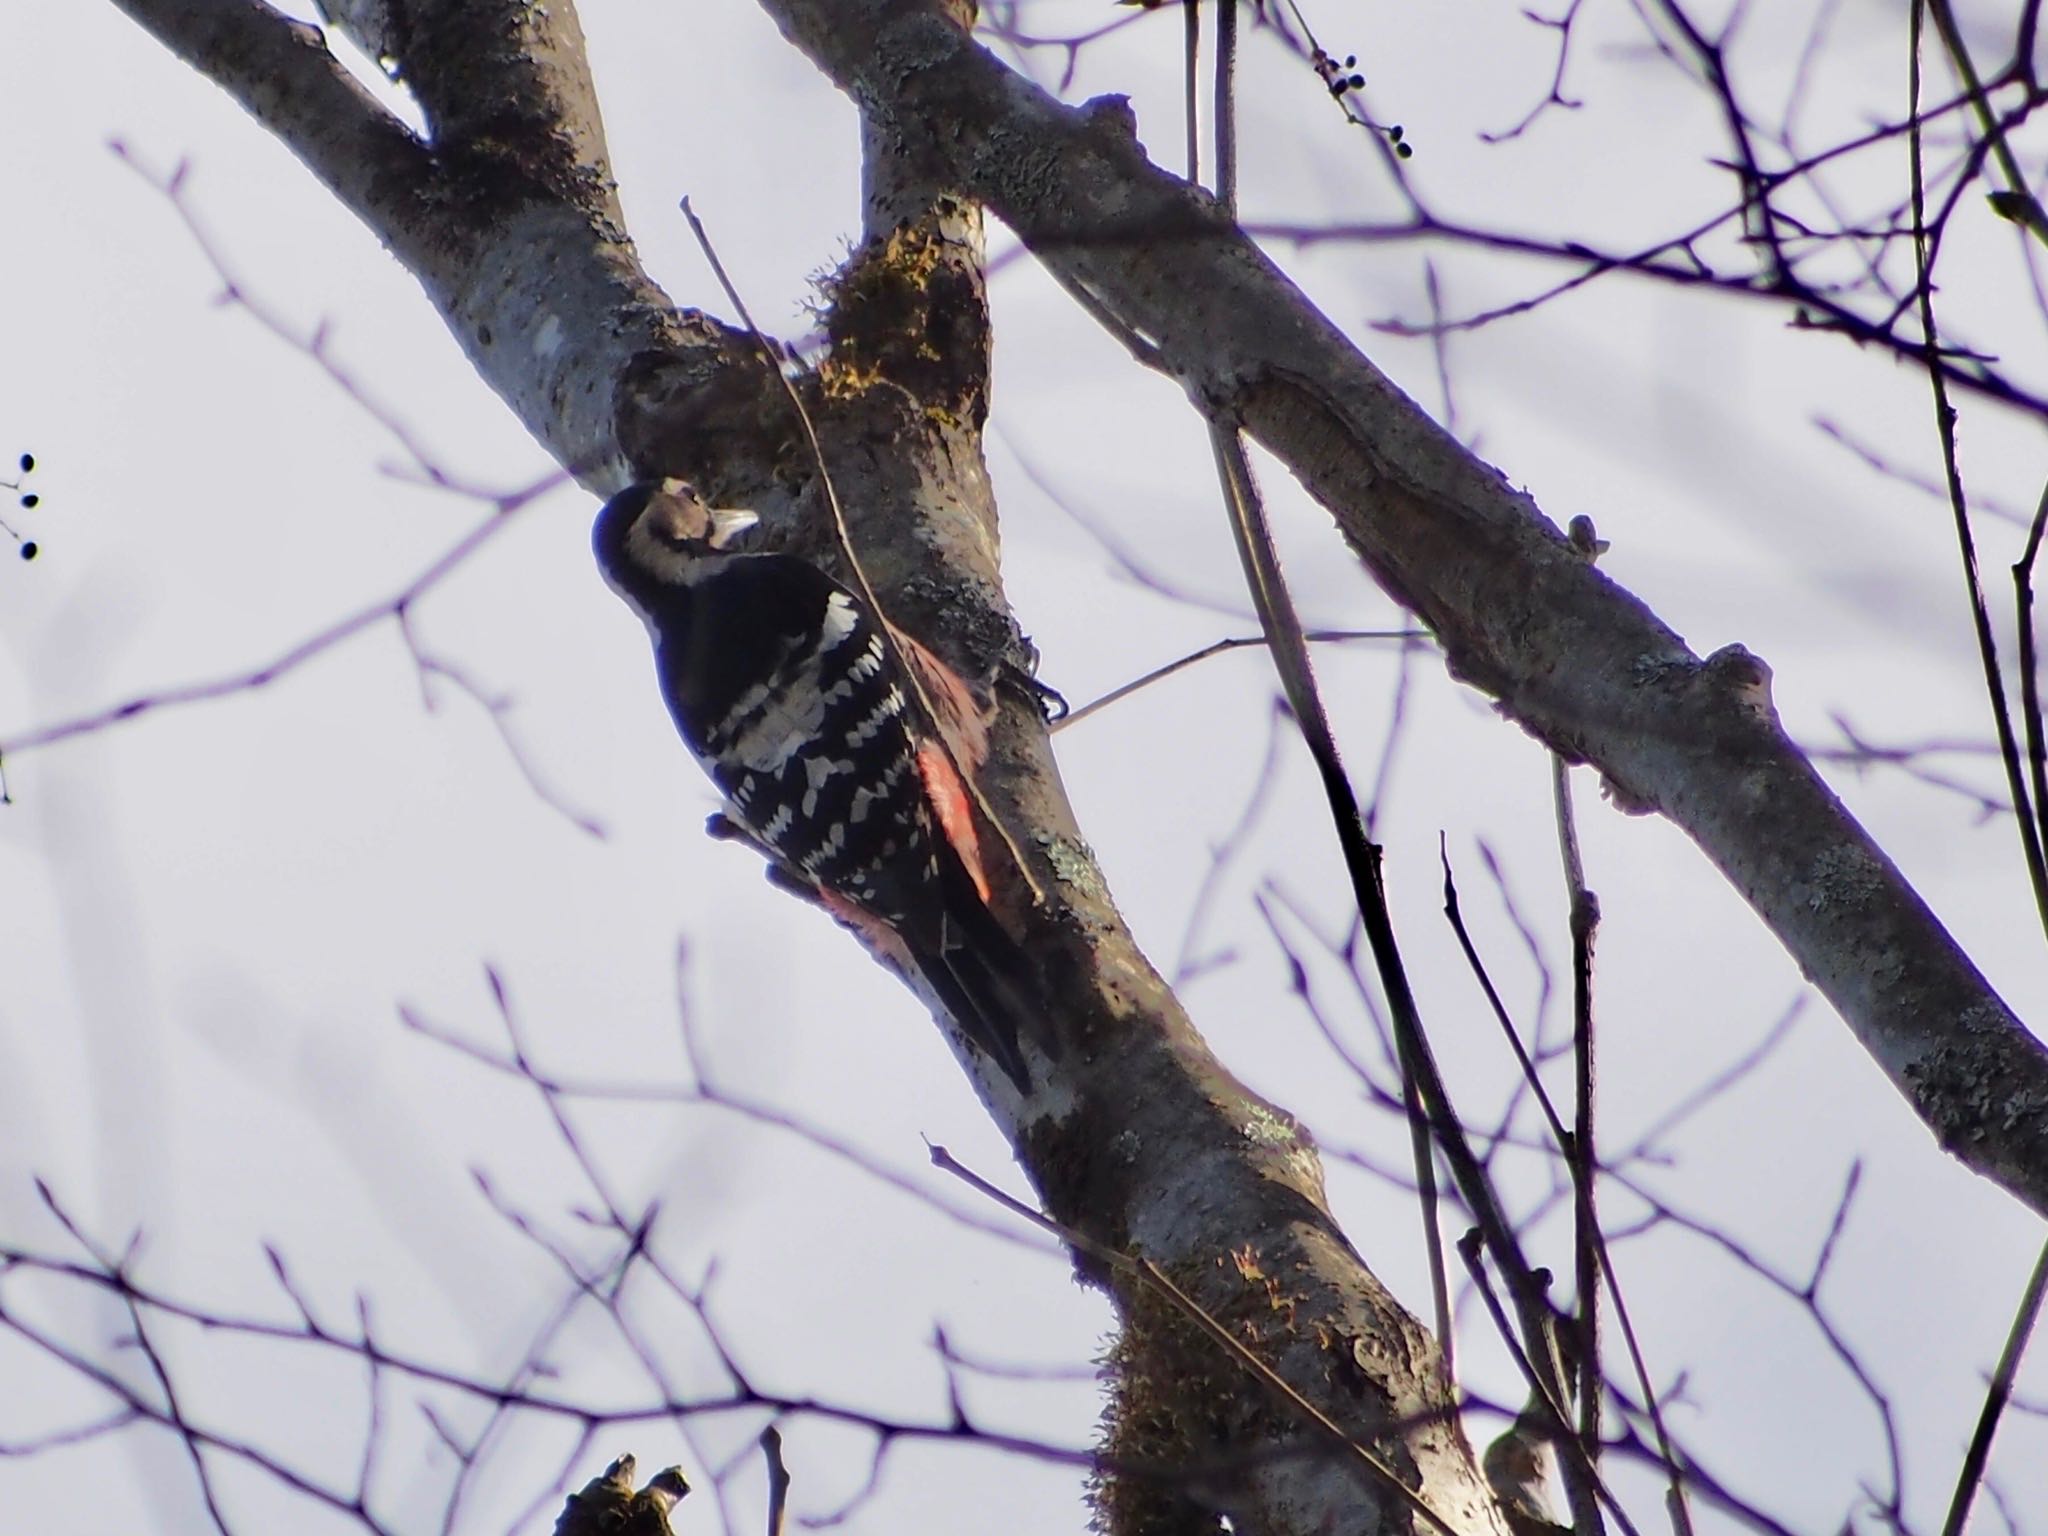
1050,702
721,828
783,878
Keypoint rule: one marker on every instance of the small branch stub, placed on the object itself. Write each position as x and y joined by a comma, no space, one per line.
608,1506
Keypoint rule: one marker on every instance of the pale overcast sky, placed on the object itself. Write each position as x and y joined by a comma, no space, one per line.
212,915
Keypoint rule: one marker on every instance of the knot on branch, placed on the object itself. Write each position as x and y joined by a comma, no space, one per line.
1742,679
910,310
720,420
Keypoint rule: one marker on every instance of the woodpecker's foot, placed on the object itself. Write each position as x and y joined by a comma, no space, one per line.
1050,702
722,828
783,878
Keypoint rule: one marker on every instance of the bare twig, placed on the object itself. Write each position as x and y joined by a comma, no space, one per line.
1555,96
291,659
2031,842
1224,112
1584,1156
1287,644
2016,201
2030,667
1996,1394
315,344
778,1478
1218,648
1591,1240
498,708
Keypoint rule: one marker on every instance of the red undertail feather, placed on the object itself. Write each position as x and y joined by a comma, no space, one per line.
962,720
948,795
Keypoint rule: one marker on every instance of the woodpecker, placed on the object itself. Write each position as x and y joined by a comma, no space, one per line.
787,692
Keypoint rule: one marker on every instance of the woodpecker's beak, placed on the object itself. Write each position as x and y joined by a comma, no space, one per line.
728,523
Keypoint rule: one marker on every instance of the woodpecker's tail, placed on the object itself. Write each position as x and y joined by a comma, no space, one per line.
971,994
983,978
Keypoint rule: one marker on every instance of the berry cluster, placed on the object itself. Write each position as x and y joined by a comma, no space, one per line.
1344,78
1338,77
28,499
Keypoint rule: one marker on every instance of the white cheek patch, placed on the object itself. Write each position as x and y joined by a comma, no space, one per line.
658,558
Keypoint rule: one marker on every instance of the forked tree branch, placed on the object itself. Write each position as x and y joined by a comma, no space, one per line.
516,241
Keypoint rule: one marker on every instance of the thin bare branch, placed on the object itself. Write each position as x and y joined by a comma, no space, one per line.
1996,1395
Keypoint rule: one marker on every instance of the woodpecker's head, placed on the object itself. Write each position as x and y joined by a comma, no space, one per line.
655,536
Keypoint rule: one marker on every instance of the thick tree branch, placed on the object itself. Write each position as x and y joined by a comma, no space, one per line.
507,86
1214,1187
508,219
1570,656
281,72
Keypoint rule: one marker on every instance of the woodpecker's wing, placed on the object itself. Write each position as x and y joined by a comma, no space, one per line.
783,689
994,994
741,633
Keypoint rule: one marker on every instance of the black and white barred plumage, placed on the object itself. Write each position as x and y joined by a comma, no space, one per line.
786,692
